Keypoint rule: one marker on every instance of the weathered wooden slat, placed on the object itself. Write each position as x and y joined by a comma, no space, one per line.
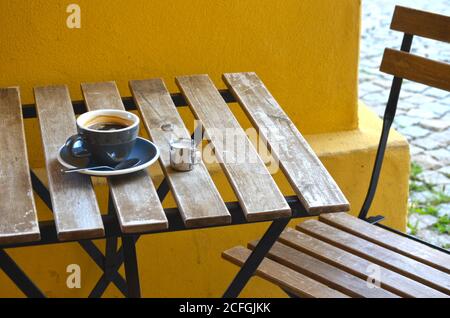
75,208
416,68
134,195
311,181
426,24
379,255
18,217
356,265
288,279
324,273
196,195
257,192
389,240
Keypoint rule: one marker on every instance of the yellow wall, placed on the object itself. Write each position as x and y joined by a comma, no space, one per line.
305,51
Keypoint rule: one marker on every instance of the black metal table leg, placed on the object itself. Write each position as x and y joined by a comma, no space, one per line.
110,274
111,262
256,257
118,257
131,266
7,264
110,255
21,280
101,286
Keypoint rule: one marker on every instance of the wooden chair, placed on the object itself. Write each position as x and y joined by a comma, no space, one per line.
339,255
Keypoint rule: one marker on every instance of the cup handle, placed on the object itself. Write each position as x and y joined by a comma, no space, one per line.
78,152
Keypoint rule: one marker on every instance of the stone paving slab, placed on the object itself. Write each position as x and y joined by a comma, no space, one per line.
423,114
434,124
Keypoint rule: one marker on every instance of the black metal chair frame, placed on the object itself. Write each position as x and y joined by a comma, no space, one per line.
389,115
388,119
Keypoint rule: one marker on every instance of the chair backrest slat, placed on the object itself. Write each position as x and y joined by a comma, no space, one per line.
416,68
425,24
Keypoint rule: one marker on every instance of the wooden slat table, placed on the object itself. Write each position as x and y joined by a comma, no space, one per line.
135,204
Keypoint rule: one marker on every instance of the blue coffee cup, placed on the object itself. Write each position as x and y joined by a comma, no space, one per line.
107,136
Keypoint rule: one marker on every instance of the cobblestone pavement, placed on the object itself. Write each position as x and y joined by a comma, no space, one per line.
423,115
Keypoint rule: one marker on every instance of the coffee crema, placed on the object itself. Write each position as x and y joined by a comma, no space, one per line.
108,123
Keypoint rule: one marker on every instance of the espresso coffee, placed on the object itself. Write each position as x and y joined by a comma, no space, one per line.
108,123
107,126
105,135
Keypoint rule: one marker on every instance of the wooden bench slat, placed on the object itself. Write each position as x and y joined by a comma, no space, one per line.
378,255
75,208
356,265
389,240
196,195
324,273
18,216
288,279
255,188
426,24
416,68
311,181
134,195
